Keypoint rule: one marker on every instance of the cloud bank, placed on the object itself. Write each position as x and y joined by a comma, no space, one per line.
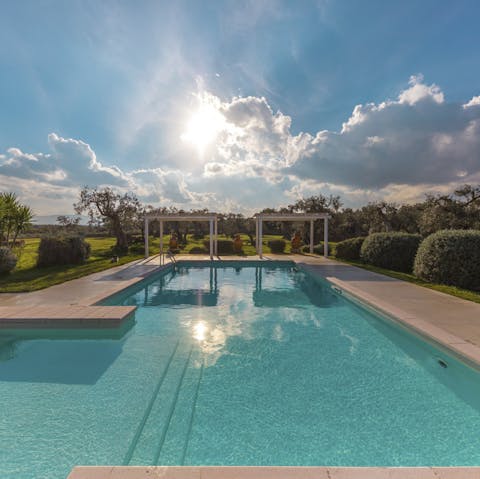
397,149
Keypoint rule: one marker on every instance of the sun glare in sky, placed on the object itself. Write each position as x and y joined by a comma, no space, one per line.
203,127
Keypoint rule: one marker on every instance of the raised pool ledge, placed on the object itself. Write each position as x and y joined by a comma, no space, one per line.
267,472
64,316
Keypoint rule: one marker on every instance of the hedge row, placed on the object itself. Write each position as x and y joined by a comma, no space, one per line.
317,249
277,246
450,257
391,250
54,251
350,248
224,246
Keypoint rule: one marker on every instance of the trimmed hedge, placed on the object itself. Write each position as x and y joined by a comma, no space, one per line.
8,260
66,250
198,250
350,248
394,251
450,257
277,246
317,249
224,246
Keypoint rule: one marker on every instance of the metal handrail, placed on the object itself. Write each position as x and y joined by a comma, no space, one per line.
168,254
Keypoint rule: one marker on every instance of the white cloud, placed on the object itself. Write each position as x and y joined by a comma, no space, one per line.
51,181
396,149
419,138
475,101
419,91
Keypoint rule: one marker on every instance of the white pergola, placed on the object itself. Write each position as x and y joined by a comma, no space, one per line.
293,217
210,217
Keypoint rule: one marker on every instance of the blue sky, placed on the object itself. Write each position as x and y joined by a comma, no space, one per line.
238,105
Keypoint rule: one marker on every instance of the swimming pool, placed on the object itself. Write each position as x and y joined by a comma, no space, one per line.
234,364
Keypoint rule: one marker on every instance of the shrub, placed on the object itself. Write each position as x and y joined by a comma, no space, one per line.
277,246
450,257
198,236
390,250
135,239
62,250
8,260
317,249
224,246
350,248
198,250
137,248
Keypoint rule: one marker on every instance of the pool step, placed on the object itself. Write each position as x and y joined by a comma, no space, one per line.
148,410
147,444
64,316
175,447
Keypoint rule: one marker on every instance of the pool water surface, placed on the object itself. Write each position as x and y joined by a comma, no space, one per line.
234,365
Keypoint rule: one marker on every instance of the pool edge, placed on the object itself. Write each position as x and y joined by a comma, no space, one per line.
461,349
271,472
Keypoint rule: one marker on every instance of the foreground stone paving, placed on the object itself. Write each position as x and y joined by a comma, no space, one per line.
213,472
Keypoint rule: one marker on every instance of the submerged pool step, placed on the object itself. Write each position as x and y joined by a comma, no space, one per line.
148,443
175,446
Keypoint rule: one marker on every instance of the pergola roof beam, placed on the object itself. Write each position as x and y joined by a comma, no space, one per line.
291,217
181,217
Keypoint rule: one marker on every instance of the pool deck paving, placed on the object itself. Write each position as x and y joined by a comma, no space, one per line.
266,472
448,322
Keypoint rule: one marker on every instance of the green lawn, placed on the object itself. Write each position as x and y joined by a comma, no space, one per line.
27,277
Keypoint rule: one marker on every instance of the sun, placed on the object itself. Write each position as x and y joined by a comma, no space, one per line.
203,127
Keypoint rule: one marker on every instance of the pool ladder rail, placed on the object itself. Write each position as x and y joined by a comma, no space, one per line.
170,256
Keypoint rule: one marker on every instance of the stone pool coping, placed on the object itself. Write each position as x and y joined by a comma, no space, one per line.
267,472
12,317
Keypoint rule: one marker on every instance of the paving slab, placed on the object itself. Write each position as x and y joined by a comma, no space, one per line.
270,472
59,316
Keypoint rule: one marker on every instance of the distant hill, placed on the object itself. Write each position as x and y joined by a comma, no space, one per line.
52,219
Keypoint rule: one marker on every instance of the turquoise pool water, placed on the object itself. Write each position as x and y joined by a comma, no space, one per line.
233,366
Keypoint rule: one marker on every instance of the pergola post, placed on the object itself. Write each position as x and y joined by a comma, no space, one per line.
260,232
216,237
161,241
325,237
311,236
256,235
211,239
145,232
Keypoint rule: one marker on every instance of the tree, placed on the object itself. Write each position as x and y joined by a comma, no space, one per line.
121,212
68,222
15,218
459,210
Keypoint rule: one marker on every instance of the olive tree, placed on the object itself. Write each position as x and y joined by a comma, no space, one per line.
120,212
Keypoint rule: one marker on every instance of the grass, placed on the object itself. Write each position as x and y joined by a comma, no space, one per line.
452,290
27,277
